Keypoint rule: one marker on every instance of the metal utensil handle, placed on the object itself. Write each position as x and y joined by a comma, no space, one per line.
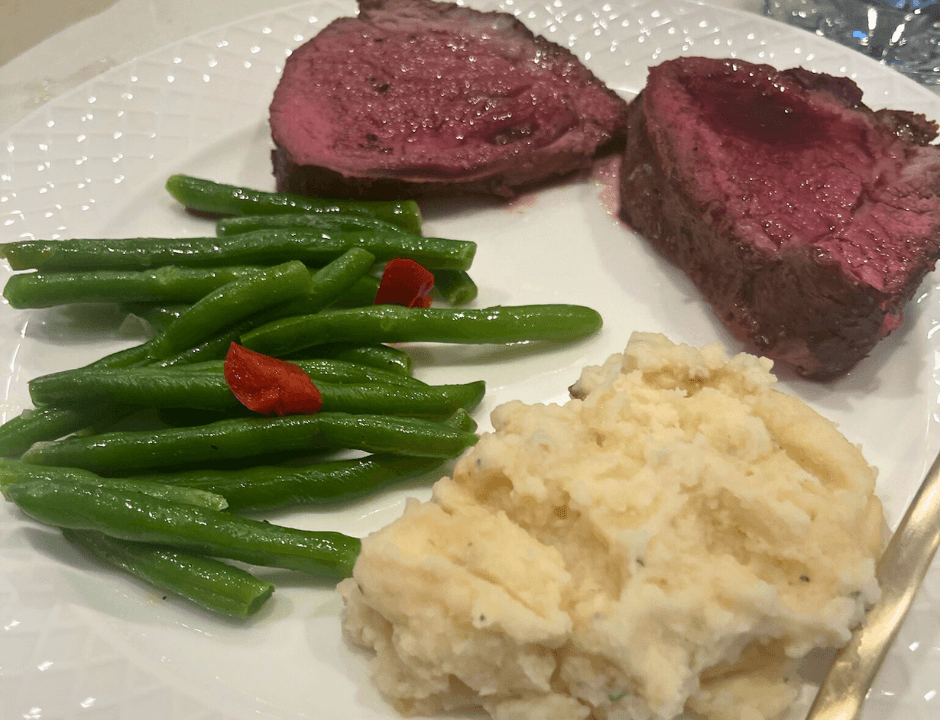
901,571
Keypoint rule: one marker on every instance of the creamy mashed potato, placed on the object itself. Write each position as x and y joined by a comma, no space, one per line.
672,539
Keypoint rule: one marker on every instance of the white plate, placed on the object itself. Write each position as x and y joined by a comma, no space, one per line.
80,641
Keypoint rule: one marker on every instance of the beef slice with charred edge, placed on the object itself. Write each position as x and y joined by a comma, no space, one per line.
414,97
806,219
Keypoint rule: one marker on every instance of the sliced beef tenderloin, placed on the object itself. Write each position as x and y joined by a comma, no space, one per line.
414,97
806,219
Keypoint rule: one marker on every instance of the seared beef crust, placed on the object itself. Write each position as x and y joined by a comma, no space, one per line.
805,219
414,97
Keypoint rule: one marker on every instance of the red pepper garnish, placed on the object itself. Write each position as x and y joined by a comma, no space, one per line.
269,386
405,282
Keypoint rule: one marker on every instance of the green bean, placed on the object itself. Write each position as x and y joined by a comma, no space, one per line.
359,295
462,420
170,388
211,584
431,401
138,517
18,434
187,417
134,355
177,417
326,285
168,284
119,453
455,286
231,303
325,369
44,424
319,221
158,317
49,423
264,247
12,471
379,357
376,355
31,426
222,199
392,323
213,348
210,349
271,487
336,285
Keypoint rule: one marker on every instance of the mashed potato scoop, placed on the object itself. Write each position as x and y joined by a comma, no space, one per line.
674,538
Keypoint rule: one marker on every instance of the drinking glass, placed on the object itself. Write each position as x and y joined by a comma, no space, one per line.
904,34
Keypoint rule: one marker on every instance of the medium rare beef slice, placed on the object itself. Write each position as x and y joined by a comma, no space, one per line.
806,219
414,97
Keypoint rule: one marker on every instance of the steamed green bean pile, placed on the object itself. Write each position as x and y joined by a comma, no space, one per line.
148,460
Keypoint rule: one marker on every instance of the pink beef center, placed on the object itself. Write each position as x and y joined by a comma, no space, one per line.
800,169
447,104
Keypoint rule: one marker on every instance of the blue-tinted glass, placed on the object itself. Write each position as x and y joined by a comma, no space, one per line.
904,34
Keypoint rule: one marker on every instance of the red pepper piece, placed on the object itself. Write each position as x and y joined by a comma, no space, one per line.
269,386
405,282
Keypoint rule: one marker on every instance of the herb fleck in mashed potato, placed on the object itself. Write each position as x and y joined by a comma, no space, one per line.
671,539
